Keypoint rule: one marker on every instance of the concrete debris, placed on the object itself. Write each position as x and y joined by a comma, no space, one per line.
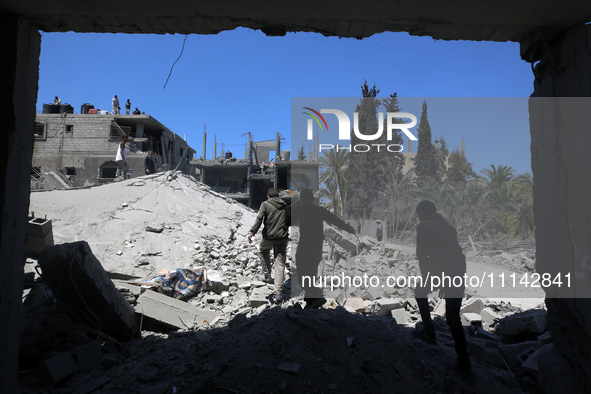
229,332
529,322
39,234
78,280
170,311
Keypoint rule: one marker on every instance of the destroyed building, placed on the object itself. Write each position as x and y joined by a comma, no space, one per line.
554,38
247,180
82,147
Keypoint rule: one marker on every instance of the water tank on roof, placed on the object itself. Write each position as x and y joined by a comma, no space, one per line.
66,109
85,107
284,155
48,108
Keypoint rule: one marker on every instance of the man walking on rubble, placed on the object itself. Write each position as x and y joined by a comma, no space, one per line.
275,216
310,219
439,254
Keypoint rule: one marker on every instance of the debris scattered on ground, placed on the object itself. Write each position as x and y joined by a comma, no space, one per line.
225,334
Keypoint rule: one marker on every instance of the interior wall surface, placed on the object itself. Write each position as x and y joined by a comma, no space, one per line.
19,51
562,194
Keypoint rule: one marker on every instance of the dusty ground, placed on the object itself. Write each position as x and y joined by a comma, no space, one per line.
267,349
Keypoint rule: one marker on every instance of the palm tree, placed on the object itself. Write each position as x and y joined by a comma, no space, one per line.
498,180
334,164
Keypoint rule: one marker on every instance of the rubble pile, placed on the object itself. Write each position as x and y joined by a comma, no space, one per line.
230,337
144,225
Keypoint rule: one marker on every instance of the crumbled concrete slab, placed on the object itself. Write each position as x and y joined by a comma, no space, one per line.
385,305
532,321
472,305
401,316
171,311
78,279
489,316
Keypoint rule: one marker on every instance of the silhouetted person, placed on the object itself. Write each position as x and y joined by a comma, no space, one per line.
149,164
123,167
379,230
310,218
127,107
274,214
137,111
440,254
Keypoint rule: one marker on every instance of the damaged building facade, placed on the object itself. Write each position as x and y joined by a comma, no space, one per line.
82,147
266,166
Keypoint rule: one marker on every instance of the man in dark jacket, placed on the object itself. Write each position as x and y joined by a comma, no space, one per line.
310,219
440,255
275,216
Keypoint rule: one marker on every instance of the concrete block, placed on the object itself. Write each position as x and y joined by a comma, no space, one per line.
516,354
258,297
471,318
36,243
56,369
533,321
88,356
373,293
356,304
352,247
79,281
218,282
472,305
400,315
171,311
489,316
39,227
386,305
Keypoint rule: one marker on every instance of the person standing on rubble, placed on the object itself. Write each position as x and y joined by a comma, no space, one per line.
274,215
439,253
149,164
123,168
310,219
127,107
379,230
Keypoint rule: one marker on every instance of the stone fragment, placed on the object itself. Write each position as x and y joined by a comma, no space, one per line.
56,369
472,305
471,318
385,305
532,321
400,315
489,316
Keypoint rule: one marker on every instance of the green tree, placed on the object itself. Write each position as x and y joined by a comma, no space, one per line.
426,162
334,165
498,179
302,153
368,169
396,160
459,169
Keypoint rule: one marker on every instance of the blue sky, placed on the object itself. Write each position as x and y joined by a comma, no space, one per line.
242,81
